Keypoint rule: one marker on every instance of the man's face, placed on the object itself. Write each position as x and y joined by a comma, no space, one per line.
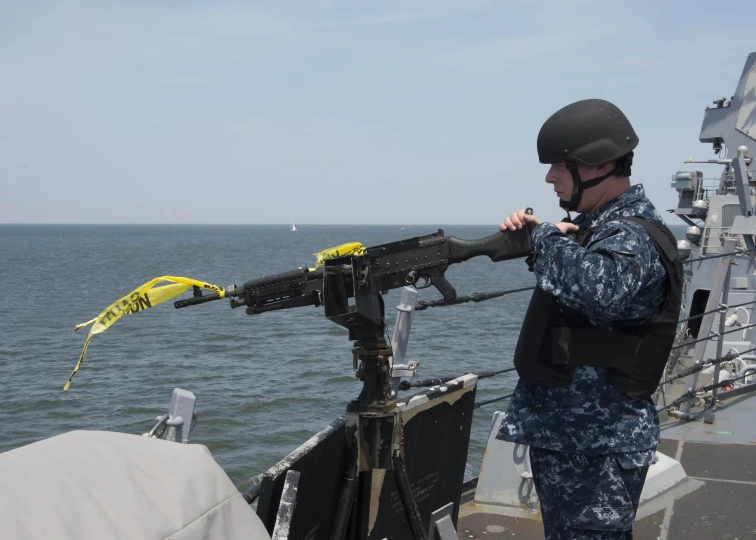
561,179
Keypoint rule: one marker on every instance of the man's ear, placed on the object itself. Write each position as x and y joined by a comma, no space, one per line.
606,167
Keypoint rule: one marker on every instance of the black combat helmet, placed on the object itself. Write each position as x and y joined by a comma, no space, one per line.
590,132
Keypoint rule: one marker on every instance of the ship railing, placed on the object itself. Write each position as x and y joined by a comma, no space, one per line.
707,187
716,305
714,239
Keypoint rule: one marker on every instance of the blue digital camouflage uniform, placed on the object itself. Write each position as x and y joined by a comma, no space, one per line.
590,444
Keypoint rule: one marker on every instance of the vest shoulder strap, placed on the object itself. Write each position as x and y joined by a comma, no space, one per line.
661,236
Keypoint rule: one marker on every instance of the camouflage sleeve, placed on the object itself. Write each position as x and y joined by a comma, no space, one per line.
599,280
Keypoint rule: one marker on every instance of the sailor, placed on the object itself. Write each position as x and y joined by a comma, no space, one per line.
598,330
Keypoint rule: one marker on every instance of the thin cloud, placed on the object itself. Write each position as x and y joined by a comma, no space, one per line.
401,13
503,54
558,32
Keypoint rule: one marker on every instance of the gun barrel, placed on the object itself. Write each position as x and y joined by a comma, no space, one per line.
178,304
297,275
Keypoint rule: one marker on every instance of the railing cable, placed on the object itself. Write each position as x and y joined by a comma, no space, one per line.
714,335
701,365
481,403
737,252
435,381
721,307
690,394
474,297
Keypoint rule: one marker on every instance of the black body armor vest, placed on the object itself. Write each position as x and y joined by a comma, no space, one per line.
555,339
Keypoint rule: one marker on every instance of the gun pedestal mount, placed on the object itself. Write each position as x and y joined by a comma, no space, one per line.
375,373
374,436
374,424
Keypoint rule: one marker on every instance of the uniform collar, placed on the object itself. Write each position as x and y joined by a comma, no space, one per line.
612,208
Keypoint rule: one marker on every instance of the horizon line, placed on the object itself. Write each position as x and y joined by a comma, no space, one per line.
264,224
246,224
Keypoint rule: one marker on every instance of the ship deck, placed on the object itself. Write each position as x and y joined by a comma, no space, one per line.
717,501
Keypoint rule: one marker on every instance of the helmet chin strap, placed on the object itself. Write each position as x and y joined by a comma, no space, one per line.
578,186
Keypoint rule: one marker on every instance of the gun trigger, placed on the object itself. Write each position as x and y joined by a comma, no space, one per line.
438,280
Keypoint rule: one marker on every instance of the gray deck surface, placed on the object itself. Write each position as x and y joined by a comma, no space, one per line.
721,457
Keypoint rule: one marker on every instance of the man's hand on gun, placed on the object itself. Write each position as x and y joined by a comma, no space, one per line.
517,220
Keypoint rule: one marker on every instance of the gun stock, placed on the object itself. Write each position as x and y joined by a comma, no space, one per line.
500,246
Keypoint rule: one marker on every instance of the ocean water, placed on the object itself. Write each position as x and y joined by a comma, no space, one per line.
264,383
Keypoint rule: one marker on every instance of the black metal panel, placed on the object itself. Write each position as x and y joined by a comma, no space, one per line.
322,464
436,437
435,447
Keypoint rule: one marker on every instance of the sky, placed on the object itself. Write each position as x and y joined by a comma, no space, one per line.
339,112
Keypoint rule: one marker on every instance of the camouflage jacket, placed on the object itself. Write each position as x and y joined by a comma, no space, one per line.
617,276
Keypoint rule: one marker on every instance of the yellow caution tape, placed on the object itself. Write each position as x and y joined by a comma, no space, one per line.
141,298
350,248
148,295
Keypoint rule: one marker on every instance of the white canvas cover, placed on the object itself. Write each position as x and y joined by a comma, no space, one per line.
95,485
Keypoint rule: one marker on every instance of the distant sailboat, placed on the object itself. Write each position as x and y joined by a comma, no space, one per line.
293,228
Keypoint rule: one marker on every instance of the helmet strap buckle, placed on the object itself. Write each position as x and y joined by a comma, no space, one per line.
577,188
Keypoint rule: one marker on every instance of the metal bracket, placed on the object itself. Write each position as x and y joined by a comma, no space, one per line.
182,408
399,339
287,506
173,426
441,526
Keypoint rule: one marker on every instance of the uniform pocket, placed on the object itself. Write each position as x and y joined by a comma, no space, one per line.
597,493
634,460
633,467
601,518
609,506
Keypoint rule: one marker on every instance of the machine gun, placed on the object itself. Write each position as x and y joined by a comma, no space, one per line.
420,262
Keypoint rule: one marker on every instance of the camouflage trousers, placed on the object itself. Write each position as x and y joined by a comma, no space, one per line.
587,497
